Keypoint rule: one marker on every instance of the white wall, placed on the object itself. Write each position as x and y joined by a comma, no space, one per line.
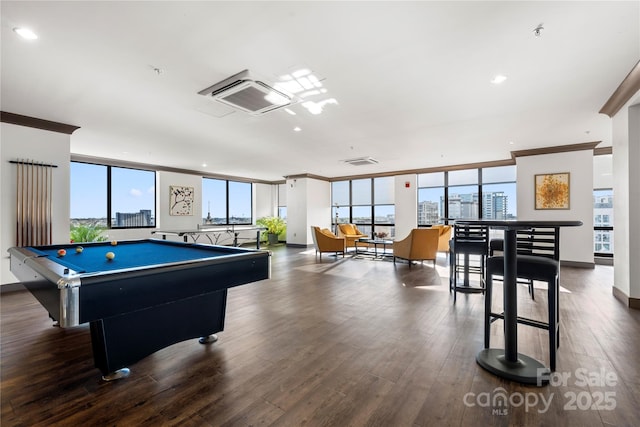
406,199
308,203
19,142
626,197
576,243
603,171
318,206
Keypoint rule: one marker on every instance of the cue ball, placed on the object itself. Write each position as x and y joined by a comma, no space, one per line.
79,249
114,242
62,252
110,255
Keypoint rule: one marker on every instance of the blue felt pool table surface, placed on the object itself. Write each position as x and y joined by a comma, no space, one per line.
128,254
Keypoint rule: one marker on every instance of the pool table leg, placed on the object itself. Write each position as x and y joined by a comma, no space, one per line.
116,375
208,339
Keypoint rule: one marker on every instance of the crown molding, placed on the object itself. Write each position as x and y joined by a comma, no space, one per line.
33,122
556,149
629,87
307,175
602,150
134,165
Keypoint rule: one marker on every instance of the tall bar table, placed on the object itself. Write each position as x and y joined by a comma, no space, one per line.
508,363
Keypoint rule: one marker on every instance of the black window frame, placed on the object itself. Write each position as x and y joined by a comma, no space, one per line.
227,182
446,219
370,225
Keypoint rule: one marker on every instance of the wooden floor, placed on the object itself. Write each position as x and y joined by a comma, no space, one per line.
346,342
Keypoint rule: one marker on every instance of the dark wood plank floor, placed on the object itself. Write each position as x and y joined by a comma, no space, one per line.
346,342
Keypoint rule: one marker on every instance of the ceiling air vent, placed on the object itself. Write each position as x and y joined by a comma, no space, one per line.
361,161
246,94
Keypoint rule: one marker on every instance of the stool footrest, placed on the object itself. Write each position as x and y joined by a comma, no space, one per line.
523,320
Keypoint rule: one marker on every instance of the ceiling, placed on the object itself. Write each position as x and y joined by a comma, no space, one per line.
412,80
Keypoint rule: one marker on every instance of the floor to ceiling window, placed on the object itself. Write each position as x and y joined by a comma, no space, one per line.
368,202
488,193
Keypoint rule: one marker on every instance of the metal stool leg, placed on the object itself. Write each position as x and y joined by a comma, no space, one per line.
487,309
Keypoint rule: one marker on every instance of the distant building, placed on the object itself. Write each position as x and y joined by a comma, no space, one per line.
462,205
428,212
494,205
139,219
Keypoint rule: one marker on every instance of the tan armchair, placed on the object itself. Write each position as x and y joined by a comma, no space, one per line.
445,236
325,241
350,233
420,244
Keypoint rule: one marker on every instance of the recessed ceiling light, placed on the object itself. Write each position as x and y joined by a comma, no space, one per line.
290,111
511,142
297,129
25,33
204,165
498,79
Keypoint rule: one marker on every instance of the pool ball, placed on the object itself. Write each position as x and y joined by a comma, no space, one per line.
79,249
110,255
62,252
114,242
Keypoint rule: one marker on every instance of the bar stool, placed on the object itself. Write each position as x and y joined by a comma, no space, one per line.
468,240
497,245
538,259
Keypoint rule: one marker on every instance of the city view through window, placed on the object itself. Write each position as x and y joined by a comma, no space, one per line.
132,196
226,202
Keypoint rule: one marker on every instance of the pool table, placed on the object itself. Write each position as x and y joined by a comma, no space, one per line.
154,293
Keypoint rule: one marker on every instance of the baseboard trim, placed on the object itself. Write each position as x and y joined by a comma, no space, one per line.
298,245
578,264
12,287
633,303
603,260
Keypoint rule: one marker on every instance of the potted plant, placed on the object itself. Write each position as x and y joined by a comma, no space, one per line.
274,225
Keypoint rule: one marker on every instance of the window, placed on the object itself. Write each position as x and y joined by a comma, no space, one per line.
430,198
603,222
384,208
463,198
340,212
88,194
226,202
369,202
112,197
133,198
488,193
282,201
499,193
239,194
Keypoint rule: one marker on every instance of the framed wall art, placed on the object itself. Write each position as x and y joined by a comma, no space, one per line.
180,200
552,191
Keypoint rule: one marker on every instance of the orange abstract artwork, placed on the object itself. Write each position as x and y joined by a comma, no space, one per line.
552,191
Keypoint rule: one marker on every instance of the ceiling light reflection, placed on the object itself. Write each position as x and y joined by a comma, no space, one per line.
25,33
498,79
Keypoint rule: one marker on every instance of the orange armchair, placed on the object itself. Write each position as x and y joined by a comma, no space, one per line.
350,233
420,244
445,236
326,241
